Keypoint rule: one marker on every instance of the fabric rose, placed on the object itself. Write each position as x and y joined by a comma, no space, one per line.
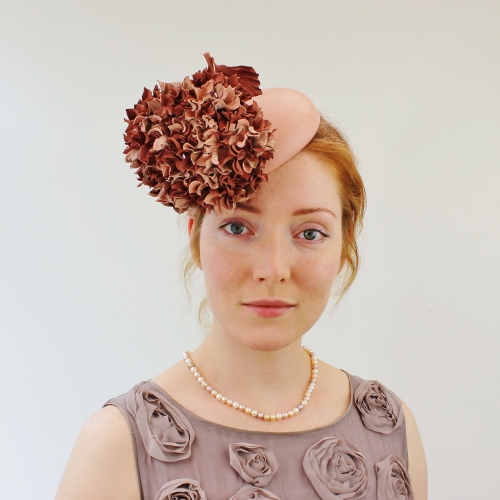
393,481
336,469
202,142
380,409
252,493
165,431
181,489
254,463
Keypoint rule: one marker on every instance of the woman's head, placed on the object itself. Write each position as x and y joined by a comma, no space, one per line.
330,147
270,263
209,143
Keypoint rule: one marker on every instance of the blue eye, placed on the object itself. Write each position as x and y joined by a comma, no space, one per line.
235,228
312,234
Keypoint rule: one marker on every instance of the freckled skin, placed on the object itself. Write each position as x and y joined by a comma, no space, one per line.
274,254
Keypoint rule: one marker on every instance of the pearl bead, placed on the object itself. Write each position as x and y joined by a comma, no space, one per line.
254,413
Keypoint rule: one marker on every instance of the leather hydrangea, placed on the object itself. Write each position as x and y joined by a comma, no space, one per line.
201,142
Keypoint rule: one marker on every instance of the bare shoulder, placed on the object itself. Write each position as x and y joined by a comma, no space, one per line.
102,464
416,456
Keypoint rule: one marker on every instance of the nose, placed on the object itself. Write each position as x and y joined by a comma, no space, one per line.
272,260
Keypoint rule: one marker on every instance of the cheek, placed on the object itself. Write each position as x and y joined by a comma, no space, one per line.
222,271
317,277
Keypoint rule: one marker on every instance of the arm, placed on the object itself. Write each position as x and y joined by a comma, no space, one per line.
102,465
416,457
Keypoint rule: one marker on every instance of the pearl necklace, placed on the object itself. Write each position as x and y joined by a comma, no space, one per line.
249,411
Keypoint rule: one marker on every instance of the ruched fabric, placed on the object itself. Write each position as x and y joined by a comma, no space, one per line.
181,456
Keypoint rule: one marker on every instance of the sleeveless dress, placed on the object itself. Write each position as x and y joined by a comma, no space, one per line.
181,456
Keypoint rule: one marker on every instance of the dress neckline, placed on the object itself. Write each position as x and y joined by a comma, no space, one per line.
192,415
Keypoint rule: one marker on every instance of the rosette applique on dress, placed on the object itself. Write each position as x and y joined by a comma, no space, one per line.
181,456
379,408
337,469
165,431
254,463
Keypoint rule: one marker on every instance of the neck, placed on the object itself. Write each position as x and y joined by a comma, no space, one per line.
266,380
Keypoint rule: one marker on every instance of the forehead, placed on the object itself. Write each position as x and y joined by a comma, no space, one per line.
303,181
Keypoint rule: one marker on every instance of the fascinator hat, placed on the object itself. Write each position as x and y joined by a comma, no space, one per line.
210,140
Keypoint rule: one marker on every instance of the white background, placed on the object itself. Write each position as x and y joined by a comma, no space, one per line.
90,298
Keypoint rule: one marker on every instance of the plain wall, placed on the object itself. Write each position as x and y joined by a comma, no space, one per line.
90,297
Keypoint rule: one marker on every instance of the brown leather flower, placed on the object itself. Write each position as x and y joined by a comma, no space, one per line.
380,409
252,493
181,489
393,481
202,142
165,431
336,469
254,463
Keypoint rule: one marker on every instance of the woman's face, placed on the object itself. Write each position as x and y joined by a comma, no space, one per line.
270,265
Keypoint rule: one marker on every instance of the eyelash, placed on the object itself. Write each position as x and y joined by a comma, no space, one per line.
320,231
241,223
235,221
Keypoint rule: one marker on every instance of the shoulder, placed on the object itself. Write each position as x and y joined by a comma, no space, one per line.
383,411
416,457
102,464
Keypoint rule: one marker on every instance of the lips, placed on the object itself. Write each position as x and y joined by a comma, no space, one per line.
268,308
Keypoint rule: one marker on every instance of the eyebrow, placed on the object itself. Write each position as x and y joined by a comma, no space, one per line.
302,211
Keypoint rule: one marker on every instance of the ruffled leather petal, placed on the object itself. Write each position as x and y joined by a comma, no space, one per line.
165,431
205,130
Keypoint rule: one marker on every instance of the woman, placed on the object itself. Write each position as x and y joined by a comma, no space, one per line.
274,204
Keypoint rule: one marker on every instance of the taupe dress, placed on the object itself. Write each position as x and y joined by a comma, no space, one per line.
181,456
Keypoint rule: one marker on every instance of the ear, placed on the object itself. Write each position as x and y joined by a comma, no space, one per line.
190,225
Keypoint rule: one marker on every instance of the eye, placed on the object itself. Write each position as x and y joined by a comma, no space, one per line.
234,228
313,234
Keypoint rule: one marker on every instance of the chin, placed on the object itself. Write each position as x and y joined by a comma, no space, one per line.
268,342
